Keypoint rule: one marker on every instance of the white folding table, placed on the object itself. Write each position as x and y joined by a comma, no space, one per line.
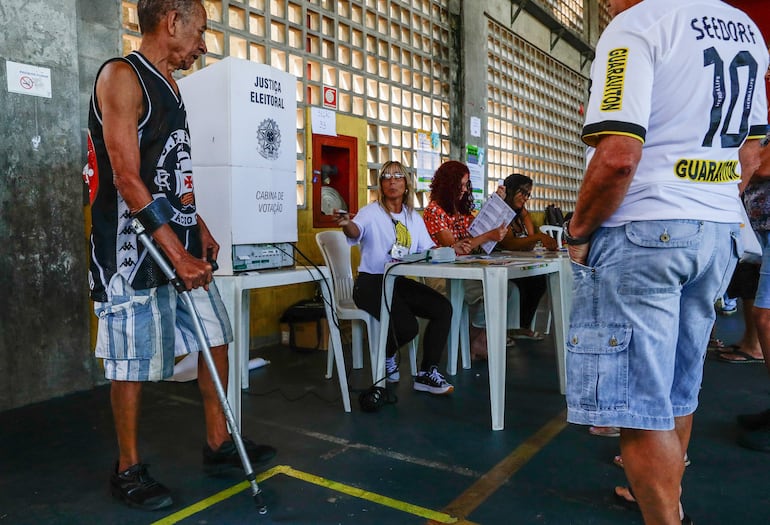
494,273
235,294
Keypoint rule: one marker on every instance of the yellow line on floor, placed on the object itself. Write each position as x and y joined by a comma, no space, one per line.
216,498
434,516
490,482
431,515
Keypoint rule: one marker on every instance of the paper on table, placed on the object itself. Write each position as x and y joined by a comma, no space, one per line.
493,213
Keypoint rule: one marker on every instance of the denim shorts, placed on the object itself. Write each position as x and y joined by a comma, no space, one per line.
142,331
642,312
762,299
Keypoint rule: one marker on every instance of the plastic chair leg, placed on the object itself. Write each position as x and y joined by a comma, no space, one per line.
329,359
358,342
413,355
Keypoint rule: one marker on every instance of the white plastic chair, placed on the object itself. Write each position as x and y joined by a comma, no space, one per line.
554,231
336,253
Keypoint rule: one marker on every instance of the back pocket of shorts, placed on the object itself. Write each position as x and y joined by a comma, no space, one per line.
597,366
127,323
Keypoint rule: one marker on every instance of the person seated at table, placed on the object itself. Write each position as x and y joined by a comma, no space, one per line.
522,236
448,218
389,229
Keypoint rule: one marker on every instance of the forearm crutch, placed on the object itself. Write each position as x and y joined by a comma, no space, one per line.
184,294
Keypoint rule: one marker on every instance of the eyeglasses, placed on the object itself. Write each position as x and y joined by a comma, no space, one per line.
526,194
388,176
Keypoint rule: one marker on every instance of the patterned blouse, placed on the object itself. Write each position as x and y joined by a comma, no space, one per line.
436,220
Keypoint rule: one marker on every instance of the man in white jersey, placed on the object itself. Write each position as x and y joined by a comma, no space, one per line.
677,102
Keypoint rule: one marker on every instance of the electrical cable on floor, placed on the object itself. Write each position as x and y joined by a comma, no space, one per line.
374,397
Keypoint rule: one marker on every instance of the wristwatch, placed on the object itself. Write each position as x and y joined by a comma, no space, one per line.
573,241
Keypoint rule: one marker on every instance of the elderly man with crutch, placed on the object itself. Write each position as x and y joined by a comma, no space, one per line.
139,151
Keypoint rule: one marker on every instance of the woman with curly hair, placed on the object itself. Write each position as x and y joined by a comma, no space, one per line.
448,217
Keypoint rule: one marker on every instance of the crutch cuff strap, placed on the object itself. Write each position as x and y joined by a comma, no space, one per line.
155,214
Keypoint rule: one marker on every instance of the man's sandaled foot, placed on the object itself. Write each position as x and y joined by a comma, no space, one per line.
618,461
715,344
625,497
737,355
604,431
525,333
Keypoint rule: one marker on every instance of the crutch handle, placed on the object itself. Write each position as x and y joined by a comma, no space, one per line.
165,267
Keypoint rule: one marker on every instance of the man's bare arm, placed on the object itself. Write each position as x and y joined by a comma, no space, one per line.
605,185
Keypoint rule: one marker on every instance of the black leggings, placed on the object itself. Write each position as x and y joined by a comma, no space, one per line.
531,289
411,299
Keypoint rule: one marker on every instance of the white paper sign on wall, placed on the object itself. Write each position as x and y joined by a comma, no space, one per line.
323,121
28,79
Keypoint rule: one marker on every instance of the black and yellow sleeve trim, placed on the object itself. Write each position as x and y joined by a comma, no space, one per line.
592,132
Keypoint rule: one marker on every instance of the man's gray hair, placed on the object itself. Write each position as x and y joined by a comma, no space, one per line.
151,12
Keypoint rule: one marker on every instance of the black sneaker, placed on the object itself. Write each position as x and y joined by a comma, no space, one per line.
136,488
754,421
432,381
758,439
226,456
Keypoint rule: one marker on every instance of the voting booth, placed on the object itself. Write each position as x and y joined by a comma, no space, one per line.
242,120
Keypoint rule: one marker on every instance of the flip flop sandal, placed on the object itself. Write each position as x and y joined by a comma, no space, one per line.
618,461
604,431
630,504
634,505
534,336
745,357
725,349
715,344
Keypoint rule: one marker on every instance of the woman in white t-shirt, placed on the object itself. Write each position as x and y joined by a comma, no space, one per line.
389,229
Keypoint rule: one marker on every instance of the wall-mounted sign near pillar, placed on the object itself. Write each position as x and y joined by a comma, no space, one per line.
330,97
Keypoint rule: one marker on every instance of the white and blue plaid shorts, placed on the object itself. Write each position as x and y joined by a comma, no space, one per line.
142,331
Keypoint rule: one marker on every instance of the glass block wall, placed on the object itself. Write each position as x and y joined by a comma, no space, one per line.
569,13
534,119
604,14
388,60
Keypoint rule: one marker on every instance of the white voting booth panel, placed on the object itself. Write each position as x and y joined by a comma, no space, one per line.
242,113
242,120
244,206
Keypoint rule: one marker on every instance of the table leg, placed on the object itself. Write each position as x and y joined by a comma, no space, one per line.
495,310
560,290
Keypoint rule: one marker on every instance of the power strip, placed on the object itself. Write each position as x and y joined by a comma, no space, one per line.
445,254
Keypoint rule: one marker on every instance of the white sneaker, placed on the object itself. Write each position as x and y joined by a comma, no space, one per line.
391,370
432,382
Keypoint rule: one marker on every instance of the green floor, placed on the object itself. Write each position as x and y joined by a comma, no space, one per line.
419,459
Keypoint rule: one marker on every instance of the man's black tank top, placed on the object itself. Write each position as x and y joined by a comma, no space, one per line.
166,170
